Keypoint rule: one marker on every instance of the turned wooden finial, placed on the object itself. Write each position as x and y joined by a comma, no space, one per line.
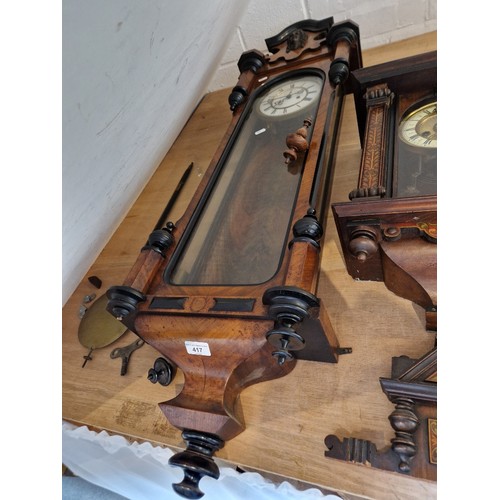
297,142
405,422
196,461
363,243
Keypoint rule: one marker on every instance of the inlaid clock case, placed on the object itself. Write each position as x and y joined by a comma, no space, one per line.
227,294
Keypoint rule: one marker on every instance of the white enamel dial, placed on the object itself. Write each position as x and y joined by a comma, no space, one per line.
291,96
419,128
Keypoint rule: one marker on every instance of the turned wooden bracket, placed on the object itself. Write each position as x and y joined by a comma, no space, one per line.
395,243
409,268
412,384
360,451
397,457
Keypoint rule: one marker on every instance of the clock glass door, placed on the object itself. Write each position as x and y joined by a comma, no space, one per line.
238,234
416,149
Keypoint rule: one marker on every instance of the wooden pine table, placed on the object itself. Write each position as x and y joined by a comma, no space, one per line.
286,419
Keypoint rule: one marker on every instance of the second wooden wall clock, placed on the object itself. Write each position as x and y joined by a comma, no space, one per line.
228,293
388,230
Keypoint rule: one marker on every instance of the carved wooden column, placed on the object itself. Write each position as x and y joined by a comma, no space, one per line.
405,422
373,169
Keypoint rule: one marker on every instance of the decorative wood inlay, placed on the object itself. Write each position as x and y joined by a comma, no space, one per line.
372,174
429,229
432,429
394,232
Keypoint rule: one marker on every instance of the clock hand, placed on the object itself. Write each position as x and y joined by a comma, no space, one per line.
282,100
293,93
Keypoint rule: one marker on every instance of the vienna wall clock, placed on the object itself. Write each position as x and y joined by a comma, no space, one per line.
227,294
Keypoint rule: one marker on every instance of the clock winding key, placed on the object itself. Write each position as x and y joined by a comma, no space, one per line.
125,353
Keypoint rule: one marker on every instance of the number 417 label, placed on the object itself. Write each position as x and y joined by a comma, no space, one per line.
197,348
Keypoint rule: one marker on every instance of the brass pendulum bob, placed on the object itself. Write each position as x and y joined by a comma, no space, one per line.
98,328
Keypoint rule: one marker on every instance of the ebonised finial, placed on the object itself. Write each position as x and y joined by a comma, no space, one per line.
196,461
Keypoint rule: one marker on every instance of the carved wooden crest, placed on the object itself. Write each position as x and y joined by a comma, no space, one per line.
298,38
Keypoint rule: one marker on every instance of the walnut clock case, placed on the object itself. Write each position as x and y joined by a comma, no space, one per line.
388,230
227,294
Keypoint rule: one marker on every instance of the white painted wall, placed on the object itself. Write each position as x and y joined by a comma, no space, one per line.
133,71
380,22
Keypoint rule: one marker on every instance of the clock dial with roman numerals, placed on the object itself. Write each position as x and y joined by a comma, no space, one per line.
291,96
419,127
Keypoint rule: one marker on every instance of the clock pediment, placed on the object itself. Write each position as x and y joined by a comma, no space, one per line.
298,38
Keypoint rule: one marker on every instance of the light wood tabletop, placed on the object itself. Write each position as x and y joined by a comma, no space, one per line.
286,419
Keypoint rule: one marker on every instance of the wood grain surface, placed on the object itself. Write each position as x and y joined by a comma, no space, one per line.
286,419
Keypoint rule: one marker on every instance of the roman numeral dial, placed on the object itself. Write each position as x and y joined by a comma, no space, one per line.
290,97
419,127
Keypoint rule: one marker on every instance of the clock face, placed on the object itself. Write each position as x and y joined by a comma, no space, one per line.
419,127
291,96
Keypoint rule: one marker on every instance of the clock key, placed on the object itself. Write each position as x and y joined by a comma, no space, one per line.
125,353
